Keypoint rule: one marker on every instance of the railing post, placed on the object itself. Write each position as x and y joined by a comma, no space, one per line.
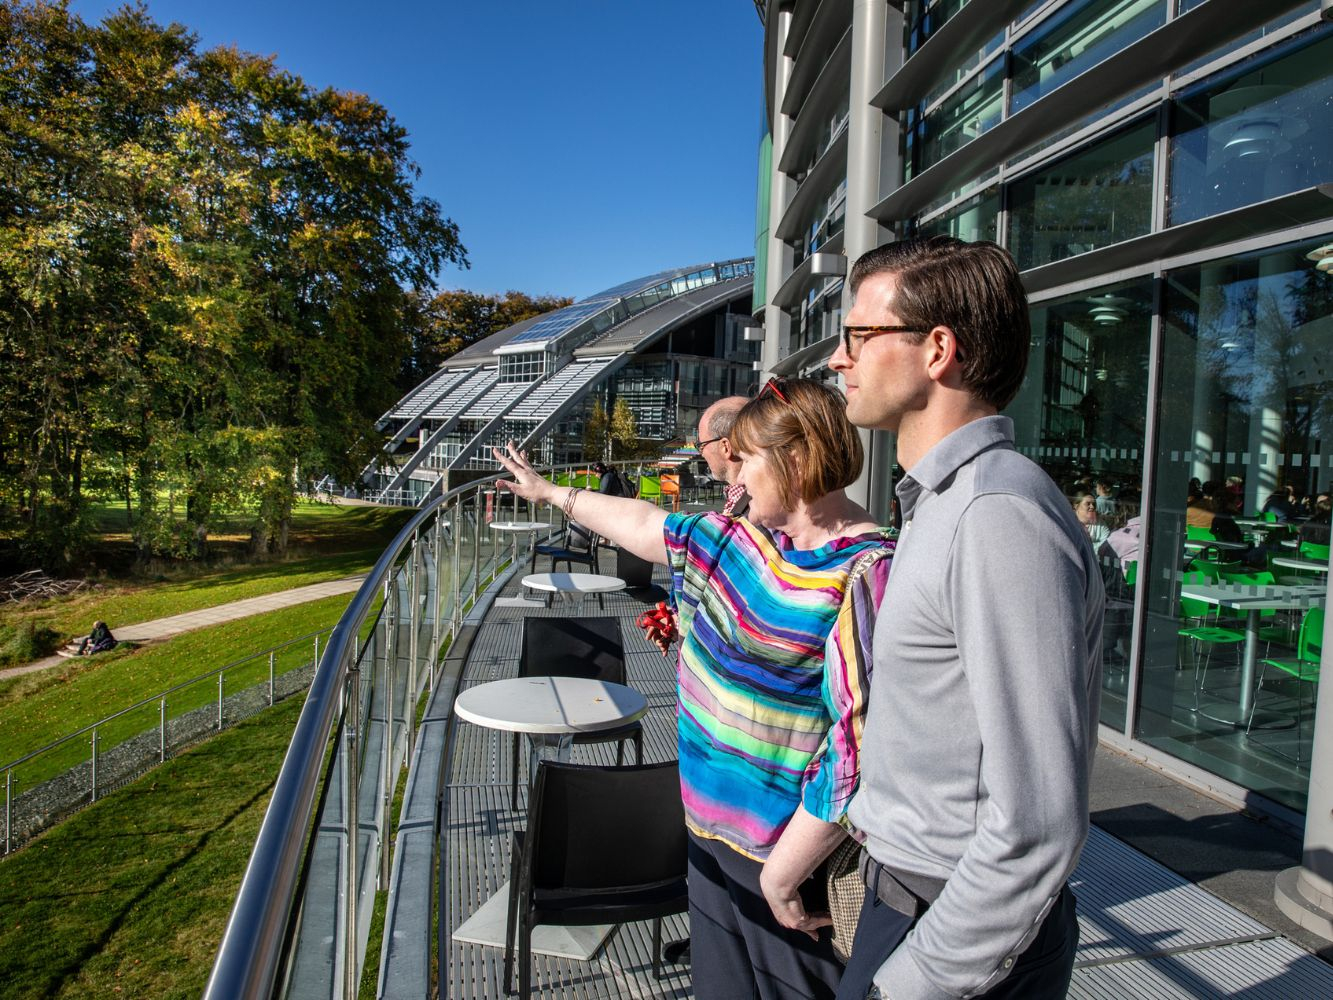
9,798
436,604
455,584
476,547
351,724
317,651
162,731
413,646
270,678
220,676
94,762
386,762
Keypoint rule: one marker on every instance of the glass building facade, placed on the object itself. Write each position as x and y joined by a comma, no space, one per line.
1160,170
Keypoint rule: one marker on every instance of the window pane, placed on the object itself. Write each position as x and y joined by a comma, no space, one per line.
1096,197
973,109
1260,133
1246,408
974,220
1081,415
1076,38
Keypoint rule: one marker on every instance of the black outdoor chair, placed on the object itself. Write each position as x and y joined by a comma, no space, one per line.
604,845
579,545
576,647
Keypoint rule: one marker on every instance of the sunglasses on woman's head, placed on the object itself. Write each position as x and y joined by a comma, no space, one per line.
774,385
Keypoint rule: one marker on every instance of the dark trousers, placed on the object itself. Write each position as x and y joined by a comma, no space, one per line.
738,951
1042,972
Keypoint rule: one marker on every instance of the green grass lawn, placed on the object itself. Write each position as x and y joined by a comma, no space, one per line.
129,898
327,542
43,706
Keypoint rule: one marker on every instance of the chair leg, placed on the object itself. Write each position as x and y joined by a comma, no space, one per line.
511,917
657,947
525,959
513,771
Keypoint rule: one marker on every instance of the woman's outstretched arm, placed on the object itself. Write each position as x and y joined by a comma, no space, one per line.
635,525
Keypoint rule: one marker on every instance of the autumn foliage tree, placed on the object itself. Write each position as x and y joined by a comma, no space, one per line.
207,280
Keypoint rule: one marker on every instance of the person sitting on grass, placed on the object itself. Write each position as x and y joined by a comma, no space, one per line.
99,640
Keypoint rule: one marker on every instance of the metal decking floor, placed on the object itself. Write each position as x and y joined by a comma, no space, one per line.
1145,932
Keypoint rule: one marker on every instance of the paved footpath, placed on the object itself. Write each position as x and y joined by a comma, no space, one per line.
162,628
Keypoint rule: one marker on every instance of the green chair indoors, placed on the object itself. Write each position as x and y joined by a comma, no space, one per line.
1304,668
1200,627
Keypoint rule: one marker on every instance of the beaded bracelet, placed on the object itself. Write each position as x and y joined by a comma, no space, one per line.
568,505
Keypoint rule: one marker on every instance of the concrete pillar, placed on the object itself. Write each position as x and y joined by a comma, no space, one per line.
1305,894
776,323
872,165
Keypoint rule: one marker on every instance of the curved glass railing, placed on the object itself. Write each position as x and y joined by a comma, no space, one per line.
299,925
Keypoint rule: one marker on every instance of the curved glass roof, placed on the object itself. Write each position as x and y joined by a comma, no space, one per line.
622,301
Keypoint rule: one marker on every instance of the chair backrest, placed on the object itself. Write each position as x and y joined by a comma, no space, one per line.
1313,551
573,647
605,827
1311,643
1216,570
1131,572
578,538
1192,607
1202,534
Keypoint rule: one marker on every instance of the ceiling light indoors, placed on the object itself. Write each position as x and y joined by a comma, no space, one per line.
1108,309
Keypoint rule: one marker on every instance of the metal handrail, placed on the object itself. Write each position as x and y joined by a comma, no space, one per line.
158,697
253,946
247,962
267,917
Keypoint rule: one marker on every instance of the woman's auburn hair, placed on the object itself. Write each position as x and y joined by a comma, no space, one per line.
810,427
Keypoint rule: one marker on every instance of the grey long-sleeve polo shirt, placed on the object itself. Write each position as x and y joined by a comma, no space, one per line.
982,720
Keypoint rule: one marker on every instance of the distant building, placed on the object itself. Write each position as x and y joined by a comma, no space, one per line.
1162,171
668,344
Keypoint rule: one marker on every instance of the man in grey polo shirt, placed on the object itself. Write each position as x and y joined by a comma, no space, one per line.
982,721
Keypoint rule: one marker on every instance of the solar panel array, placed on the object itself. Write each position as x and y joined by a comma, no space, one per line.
450,405
560,321
556,390
419,399
497,400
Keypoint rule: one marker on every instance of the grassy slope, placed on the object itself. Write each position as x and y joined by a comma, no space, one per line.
129,898
347,540
40,707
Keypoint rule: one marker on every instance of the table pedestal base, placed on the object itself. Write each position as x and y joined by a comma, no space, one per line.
487,927
519,602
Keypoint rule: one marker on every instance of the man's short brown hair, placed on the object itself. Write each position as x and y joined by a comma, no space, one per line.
972,288
805,437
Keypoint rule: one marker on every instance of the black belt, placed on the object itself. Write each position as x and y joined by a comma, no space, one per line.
905,892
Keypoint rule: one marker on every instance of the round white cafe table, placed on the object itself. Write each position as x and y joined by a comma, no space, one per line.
1308,565
580,584
550,706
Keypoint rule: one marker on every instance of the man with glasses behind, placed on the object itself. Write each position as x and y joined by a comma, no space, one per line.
982,717
715,447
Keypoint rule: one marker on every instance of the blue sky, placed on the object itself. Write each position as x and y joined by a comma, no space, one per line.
576,145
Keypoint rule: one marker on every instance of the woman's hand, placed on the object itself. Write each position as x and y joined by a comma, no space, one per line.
527,483
784,900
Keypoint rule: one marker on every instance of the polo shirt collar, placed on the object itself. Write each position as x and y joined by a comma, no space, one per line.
949,455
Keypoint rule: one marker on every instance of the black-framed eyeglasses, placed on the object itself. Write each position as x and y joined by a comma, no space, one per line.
774,385
862,333
701,445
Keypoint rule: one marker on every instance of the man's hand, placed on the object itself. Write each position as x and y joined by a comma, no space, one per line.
788,910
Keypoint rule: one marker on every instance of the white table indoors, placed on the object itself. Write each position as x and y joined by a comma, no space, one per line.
580,584
550,710
1306,564
516,528
1251,599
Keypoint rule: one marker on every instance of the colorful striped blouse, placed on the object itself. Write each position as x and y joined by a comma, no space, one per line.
772,674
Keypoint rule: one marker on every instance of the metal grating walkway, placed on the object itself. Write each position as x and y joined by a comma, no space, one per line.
1144,931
